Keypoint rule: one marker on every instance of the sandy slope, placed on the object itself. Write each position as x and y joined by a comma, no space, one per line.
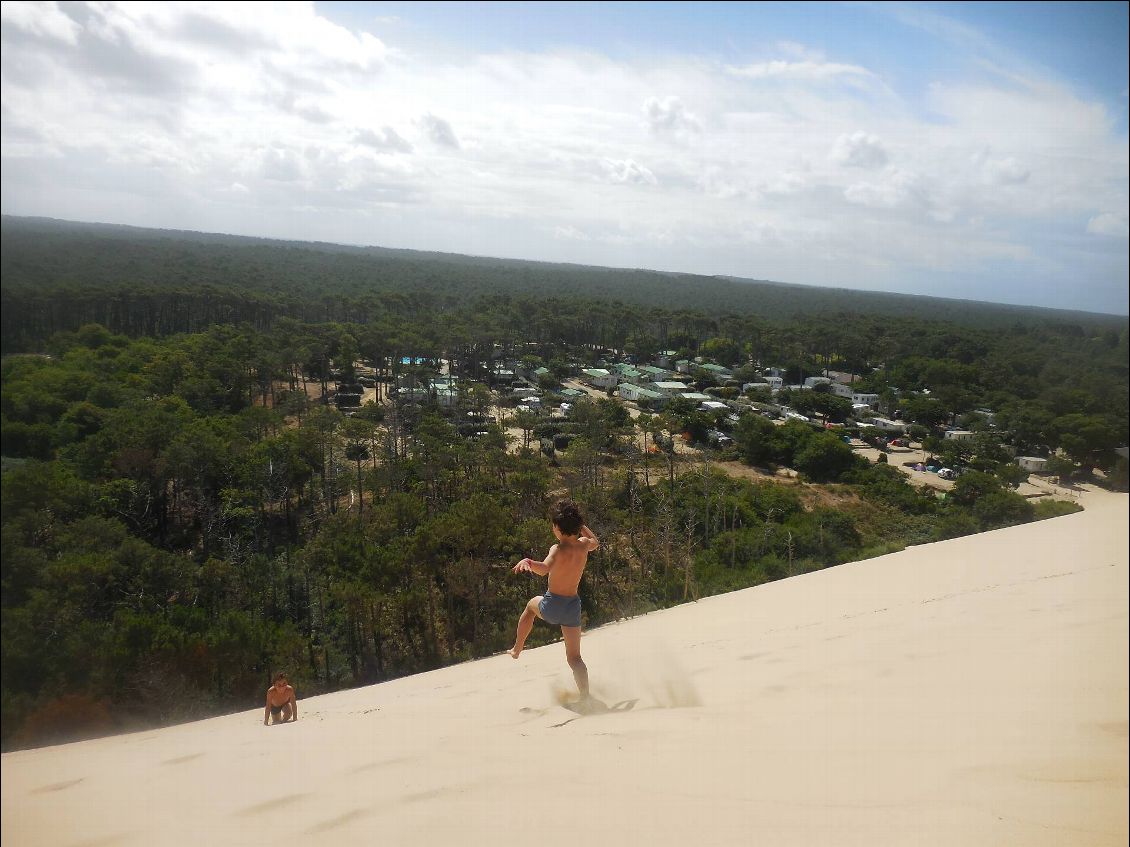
965,693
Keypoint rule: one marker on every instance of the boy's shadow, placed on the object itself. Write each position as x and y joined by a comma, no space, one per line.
592,706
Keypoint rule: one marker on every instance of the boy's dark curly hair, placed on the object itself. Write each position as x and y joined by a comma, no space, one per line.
566,516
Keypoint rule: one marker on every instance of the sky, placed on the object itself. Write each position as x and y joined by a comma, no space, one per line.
968,150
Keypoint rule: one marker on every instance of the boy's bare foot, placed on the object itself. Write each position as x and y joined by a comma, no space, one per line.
515,651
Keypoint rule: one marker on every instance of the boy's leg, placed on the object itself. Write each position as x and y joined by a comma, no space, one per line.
572,635
525,624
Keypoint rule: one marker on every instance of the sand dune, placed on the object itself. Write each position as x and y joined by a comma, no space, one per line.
972,692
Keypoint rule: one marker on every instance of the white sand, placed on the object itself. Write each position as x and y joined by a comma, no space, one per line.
972,692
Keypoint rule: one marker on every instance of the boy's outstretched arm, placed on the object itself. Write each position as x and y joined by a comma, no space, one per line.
528,565
531,566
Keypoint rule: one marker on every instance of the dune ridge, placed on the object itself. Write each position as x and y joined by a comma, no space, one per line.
969,692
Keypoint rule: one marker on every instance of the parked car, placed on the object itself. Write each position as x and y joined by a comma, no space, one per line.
947,473
719,439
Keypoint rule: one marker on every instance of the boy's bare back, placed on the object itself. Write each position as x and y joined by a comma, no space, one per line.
566,562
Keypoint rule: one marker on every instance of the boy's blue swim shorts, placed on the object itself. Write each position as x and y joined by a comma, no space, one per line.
560,611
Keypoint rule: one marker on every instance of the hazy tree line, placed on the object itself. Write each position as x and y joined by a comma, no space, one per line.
59,277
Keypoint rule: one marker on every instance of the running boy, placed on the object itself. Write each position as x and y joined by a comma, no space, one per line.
564,565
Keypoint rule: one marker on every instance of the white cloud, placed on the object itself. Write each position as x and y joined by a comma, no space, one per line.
385,139
1110,223
569,233
804,70
280,165
439,131
896,189
785,183
798,50
722,183
859,150
44,20
669,117
1006,171
627,171
949,29
303,107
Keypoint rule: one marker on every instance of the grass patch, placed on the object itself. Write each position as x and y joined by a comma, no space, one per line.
1054,509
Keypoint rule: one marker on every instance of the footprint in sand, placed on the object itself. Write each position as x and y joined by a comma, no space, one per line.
180,760
267,806
395,760
430,794
57,786
592,706
333,823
